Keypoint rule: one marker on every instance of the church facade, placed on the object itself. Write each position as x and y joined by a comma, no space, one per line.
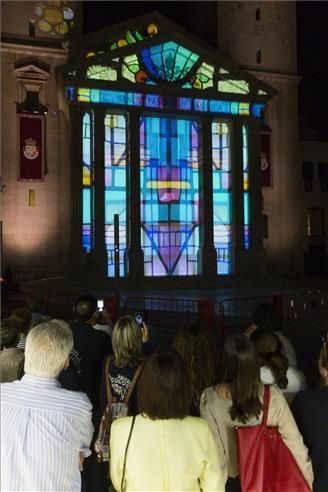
140,151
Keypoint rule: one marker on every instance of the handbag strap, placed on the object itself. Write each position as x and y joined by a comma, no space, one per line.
133,382
266,402
107,379
126,451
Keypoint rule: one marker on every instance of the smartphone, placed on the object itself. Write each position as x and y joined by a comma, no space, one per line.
100,304
139,319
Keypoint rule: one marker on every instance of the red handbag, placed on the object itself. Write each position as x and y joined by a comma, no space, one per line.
264,461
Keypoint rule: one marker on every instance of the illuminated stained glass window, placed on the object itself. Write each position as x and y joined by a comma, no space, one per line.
168,61
101,72
115,187
169,195
221,167
246,187
88,183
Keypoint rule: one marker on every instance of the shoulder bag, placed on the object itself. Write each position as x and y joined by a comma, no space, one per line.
113,410
265,462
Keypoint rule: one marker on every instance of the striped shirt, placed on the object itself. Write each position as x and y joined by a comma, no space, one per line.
43,429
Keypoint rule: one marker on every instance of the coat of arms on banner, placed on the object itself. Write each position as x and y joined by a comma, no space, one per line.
30,149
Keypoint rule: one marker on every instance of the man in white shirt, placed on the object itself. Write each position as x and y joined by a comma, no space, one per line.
45,430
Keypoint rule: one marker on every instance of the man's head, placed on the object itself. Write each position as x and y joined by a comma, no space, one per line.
48,346
85,307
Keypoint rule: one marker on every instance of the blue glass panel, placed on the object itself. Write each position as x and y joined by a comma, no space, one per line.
70,93
200,104
221,169
220,107
246,187
115,187
257,109
168,61
87,182
169,198
154,101
234,108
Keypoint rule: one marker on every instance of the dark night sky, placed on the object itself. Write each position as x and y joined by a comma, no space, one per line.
312,31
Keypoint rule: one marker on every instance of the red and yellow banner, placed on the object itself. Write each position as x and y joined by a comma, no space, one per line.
31,146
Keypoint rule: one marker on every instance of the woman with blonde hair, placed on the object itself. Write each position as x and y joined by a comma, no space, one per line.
127,340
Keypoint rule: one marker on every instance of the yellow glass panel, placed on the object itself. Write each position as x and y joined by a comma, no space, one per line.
53,15
180,185
62,28
244,108
86,177
83,95
44,26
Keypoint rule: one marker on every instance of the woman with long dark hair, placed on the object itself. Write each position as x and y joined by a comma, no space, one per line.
238,401
163,448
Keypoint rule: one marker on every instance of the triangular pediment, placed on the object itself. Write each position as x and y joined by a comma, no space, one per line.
153,51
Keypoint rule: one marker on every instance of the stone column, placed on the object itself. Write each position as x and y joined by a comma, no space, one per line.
207,257
135,256
256,252
77,255
98,256
237,198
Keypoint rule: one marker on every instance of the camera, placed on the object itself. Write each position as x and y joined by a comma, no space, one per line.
139,319
100,304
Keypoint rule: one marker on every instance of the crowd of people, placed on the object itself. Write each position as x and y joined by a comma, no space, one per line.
178,407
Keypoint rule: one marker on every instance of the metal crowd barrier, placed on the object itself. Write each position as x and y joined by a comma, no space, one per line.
236,313
301,304
171,314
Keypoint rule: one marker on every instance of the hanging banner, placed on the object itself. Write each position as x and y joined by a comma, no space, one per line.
31,146
266,160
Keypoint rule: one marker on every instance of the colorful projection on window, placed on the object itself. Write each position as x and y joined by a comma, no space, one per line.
246,187
221,167
168,61
115,187
122,98
169,195
132,37
88,183
55,17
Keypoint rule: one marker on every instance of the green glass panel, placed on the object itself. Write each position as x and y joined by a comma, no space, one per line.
233,86
205,76
130,67
101,72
